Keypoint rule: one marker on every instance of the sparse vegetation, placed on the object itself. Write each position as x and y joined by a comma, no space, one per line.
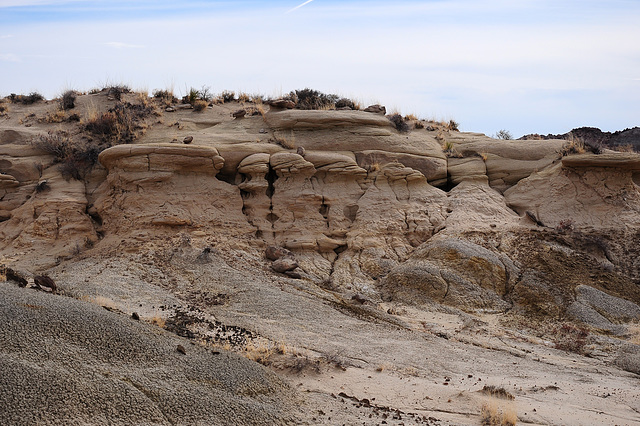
117,91
227,96
492,415
453,125
119,124
75,158
570,338
504,135
574,145
498,392
199,105
29,99
399,123
68,100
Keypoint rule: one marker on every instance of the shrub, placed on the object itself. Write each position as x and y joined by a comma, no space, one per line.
491,415
199,105
574,145
312,99
163,94
227,96
117,91
453,125
119,123
346,103
68,100
399,123
29,99
504,135
75,158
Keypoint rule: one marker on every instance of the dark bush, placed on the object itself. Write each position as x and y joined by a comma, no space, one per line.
399,122
117,91
75,159
312,99
227,96
345,103
68,100
120,124
29,99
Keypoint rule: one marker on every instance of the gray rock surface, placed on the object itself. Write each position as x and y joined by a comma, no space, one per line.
77,363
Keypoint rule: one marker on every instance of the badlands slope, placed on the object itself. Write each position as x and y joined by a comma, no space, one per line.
311,267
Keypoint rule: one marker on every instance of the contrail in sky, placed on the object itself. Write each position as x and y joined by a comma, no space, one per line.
299,6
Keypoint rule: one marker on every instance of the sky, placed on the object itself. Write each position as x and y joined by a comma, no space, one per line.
526,66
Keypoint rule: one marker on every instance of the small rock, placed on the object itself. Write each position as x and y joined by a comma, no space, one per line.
181,349
376,109
16,276
240,113
170,109
284,264
282,103
45,281
275,253
188,140
300,151
262,131
135,316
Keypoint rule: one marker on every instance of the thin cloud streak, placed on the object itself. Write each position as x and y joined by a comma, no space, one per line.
299,6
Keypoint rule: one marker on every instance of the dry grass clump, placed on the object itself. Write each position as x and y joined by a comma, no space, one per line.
57,116
226,96
498,392
29,99
3,108
116,91
286,143
574,145
200,105
279,355
492,415
453,125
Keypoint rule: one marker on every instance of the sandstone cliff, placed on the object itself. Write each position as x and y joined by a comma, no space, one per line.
374,218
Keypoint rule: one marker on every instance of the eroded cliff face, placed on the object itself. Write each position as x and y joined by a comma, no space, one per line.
364,208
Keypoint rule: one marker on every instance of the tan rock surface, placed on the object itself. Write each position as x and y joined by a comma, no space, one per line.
418,273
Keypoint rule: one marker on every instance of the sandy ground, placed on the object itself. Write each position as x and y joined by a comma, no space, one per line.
365,364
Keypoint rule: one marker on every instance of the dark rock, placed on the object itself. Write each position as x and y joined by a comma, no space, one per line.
135,316
188,139
17,277
376,109
240,113
300,151
45,281
284,264
282,103
181,349
275,253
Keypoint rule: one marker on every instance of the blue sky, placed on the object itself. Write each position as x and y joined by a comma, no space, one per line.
524,66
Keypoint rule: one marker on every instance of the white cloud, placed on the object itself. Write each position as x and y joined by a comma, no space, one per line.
9,57
299,6
6,36
120,45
